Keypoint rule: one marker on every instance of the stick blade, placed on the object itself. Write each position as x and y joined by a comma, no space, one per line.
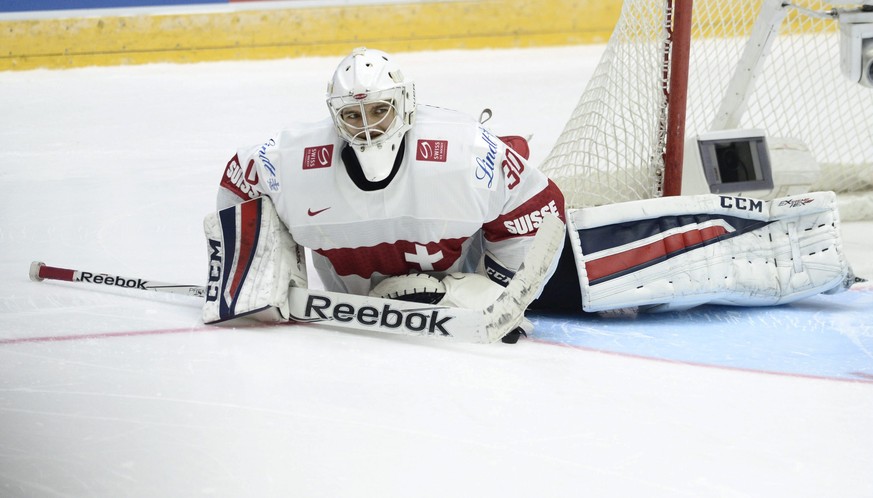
511,305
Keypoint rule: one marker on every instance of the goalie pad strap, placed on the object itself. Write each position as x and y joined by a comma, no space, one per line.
679,252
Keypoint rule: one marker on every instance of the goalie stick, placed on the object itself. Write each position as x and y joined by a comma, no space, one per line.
39,271
355,312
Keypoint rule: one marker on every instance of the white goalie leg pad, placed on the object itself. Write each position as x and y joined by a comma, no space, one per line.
252,263
679,252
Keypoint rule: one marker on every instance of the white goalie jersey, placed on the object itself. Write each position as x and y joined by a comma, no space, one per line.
459,200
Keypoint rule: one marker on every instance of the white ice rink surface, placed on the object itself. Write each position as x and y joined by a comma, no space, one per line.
107,393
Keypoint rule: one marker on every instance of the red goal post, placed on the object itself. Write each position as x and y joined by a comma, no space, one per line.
675,69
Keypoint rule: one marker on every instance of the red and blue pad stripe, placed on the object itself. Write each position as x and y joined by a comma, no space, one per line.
240,229
632,246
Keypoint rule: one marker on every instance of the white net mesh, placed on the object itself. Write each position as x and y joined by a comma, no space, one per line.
611,150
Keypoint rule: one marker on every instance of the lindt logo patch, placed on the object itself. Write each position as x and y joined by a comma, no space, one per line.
318,157
432,150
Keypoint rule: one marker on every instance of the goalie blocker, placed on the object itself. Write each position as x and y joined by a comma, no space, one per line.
679,252
253,263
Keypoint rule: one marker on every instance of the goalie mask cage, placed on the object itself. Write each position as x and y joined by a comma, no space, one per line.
614,146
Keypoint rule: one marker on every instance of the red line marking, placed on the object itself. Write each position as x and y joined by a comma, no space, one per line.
134,333
861,380
105,335
864,378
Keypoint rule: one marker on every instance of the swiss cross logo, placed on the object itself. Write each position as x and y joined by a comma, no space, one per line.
432,150
318,157
423,257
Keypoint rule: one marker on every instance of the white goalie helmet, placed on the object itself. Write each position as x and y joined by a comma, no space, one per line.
372,107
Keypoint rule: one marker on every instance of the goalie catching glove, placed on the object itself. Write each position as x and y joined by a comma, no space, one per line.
457,290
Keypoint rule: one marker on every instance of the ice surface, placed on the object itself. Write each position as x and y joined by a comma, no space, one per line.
108,392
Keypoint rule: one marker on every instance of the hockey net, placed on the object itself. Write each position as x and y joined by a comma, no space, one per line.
613,147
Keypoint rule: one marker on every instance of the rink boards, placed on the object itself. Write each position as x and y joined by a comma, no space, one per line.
219,31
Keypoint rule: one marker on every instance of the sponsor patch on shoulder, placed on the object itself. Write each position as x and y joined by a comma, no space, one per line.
241,181
432,150
318,157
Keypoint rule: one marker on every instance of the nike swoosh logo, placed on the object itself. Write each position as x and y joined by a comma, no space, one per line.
310,212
